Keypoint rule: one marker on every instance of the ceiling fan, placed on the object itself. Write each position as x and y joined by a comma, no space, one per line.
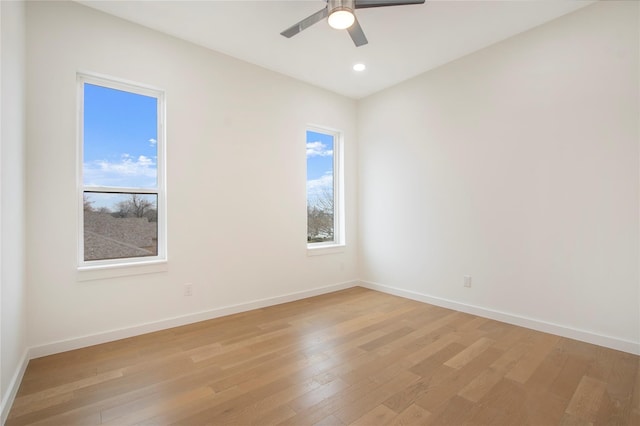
341,16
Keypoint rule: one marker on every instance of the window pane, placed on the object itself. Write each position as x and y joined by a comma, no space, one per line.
120,225
320,197
120,132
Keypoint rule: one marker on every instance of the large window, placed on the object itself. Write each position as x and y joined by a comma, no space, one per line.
324,188
121,173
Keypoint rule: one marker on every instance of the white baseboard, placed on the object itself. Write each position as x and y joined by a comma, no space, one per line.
532,323
123,333
14,385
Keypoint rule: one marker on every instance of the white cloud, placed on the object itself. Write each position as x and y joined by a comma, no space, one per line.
153,142
318,149
126,172
145,161
318,187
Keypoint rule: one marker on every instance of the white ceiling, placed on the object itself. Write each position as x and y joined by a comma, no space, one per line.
404,41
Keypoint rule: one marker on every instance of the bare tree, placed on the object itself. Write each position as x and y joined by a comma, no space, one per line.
320,218
325,201
152,215
87,204
136,206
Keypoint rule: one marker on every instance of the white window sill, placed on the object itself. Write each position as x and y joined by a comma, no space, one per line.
100,272
321,250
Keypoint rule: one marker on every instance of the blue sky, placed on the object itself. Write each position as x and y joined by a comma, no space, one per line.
319,164
120,138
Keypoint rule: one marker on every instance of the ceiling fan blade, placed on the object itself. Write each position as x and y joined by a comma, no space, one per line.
306,23
356,33
363,4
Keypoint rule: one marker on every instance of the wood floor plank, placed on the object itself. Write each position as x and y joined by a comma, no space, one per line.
375,396
633,416
387,339
571,420
55,377
178,413
433,330
504,404
350,357
541,345
543,408
350,397
235,400
274,408
316,396
456,411
433,362
406,397
467,355
412,415
447,382
88,401
328,421
587,399
569,377
30,399
22,409
380,415
615,369
488,378
135,412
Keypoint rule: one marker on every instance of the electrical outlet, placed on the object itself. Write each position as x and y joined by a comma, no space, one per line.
188,289
467,280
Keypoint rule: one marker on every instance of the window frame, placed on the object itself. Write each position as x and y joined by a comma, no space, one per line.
159,190
339,234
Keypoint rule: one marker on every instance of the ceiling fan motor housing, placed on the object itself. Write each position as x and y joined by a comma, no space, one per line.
346,5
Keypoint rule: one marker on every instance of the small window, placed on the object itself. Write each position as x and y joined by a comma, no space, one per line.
324,188
121,173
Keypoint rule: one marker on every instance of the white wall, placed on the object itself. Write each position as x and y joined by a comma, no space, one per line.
236,178
12,230
517,165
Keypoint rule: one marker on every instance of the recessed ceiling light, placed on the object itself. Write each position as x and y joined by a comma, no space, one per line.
359,67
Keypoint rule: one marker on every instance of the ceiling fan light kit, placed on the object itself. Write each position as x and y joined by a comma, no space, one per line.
341,19
341,16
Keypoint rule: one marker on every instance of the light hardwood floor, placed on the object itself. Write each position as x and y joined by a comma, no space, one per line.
354,357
